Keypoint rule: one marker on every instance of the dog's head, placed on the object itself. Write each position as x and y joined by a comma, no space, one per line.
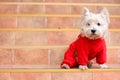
93,25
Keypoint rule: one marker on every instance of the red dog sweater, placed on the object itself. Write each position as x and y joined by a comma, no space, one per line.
83,49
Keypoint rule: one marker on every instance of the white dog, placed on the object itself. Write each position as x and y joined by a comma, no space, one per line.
90,43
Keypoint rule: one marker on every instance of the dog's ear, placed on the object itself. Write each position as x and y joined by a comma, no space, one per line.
105,14
85,11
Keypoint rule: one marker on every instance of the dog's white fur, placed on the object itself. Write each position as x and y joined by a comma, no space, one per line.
93,26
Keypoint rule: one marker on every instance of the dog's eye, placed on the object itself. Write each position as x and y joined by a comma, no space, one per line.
88,24
98,24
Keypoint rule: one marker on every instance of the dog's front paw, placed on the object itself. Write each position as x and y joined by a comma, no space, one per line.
83,67
103,66
65,66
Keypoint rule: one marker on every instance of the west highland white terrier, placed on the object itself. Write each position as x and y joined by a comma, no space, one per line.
90,43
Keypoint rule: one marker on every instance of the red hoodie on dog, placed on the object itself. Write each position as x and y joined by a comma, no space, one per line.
83,50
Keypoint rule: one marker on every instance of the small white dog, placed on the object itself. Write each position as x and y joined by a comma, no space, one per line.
90,43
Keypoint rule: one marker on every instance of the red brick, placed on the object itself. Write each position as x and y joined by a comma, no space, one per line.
113,56
105,1
31,57
7,22
31,0
5,57
58,9
80,1
31,9
7,39
31,22
112,10
72,76
79,9
57,0
4,76
56,56
60,22
31,39
8,9
31,76
114,39
62,38
114,23
8,0
106,76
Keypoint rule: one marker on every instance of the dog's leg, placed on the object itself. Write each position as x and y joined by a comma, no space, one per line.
103,66
65,66
83,67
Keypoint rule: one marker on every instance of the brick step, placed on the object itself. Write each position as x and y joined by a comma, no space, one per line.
46,30
44,56
59,74
94,66
49,38
57,70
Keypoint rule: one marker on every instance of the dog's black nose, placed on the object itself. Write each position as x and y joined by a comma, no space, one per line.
93,31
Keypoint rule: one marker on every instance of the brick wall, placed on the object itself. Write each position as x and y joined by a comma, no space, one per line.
21,58
33,57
